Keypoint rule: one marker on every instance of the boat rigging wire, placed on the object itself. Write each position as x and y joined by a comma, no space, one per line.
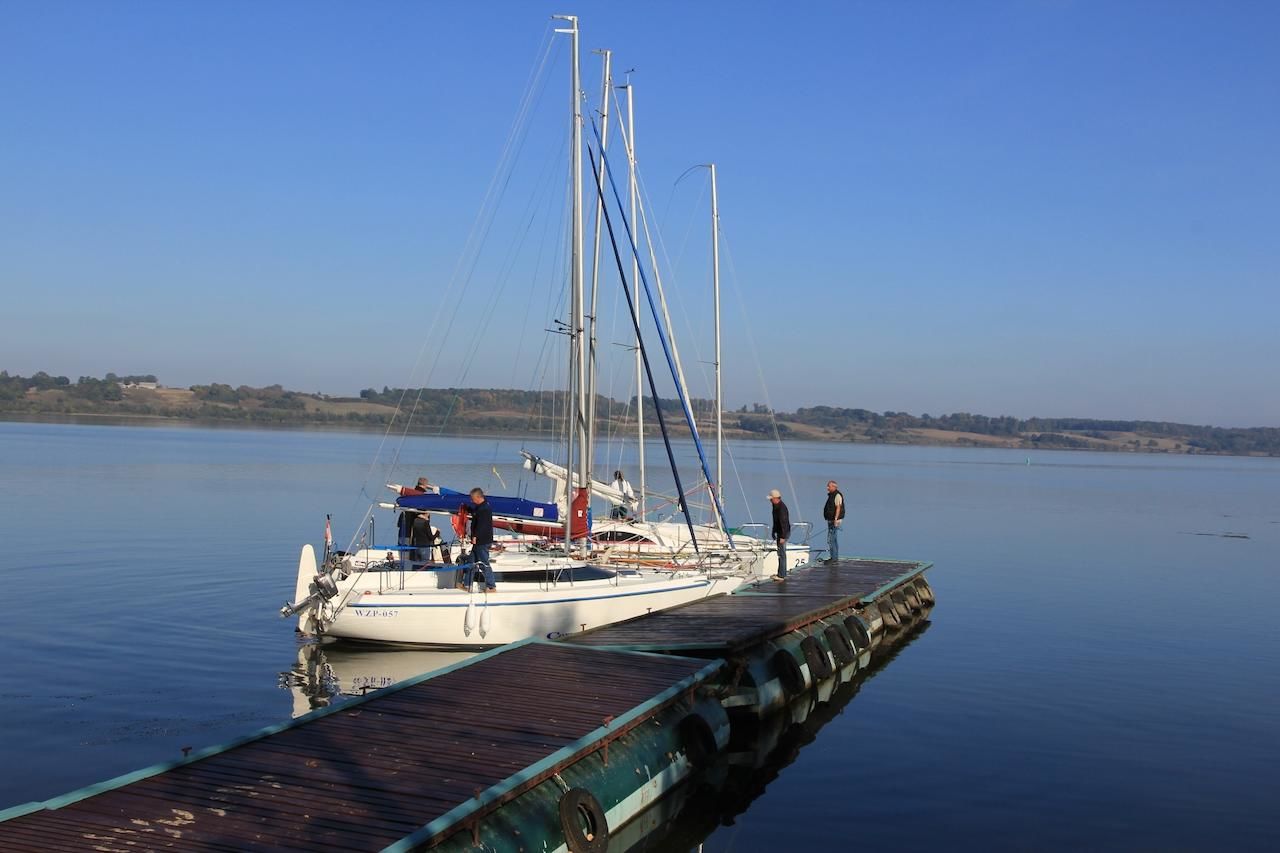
755,356
476,237
635,319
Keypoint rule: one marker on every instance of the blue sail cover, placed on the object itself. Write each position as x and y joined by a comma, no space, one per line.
502,506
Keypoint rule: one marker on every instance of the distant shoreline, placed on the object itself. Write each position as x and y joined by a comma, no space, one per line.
146,420
499,412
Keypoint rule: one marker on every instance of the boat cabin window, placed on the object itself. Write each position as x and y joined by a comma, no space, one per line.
576,573
622,536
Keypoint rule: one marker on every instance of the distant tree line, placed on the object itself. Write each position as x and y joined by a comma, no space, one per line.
1046,431
273,396
508,410
14,388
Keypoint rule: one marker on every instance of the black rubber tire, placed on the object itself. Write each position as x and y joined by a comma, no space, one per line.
841,646
889,613
858,632
900,607
698,739
586,829
788,672
816,656
910,597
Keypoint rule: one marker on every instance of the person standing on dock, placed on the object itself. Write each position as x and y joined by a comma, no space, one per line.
833,512
481,539
781,530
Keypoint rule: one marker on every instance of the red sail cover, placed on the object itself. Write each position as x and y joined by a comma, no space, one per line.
580,521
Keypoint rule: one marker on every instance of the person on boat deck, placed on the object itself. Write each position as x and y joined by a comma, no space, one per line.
424,486
405,523
623,510
424,537
833,512
481,539
781,530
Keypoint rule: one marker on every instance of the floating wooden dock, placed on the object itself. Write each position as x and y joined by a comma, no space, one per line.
729,624
406,766
533,746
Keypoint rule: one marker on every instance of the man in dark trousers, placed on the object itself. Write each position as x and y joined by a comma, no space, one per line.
781,530
833,512
481,539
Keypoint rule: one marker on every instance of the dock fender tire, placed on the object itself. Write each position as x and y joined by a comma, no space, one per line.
816,656
784,666
841,646
698,740
900,606
586,829
859,632
889,613
911,598
925,592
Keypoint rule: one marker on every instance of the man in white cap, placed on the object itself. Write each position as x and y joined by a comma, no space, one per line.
781,530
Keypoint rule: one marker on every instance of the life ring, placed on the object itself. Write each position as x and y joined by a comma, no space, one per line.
788,672
586,829
857,632
816,656
698,739
841,648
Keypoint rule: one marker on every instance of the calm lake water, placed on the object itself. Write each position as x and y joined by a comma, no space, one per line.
1102,670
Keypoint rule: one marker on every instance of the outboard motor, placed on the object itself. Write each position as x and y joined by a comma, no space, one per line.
316,587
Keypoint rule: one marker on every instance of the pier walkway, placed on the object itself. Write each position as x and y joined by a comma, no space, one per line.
406,766
487,751
728,624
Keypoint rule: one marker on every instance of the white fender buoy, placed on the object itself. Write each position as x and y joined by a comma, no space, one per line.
470,621
485,619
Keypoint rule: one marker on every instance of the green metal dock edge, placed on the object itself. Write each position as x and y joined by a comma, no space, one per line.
165,766
508,788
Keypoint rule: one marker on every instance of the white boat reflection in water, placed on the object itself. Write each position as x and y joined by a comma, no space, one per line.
328,672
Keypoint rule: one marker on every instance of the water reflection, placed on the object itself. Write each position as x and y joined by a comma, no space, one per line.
758,753
329,672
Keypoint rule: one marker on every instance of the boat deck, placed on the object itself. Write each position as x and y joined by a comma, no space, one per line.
406,765
729,623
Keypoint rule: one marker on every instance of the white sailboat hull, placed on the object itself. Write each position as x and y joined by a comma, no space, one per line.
375,600
450,618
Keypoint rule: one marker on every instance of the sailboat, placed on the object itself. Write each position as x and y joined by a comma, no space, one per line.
378,593
638,539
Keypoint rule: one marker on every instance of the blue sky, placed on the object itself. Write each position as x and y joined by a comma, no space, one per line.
1027,208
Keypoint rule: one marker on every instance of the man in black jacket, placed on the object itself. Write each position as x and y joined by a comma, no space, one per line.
781,530
481,539
833,512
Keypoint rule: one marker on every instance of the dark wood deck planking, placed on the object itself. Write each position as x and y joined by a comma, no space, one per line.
367,774
728,623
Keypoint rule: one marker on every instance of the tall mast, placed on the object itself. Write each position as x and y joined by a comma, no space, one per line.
635,287
605,91
577,367
715,288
